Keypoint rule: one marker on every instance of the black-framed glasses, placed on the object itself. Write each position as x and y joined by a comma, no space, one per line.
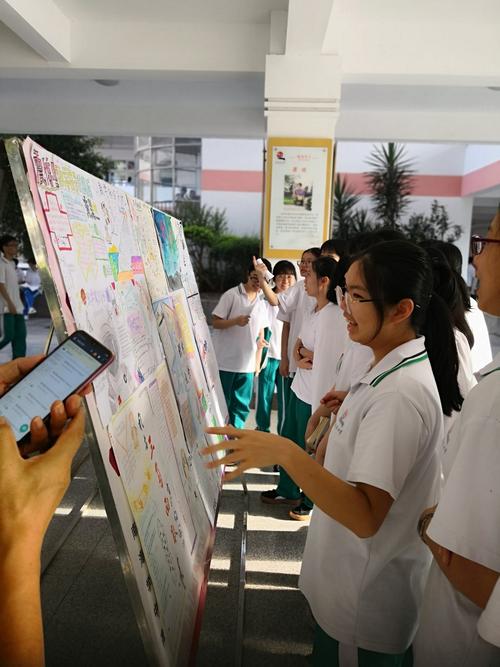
477,244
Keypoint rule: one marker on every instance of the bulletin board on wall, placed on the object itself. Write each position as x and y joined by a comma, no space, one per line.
115,267
298,195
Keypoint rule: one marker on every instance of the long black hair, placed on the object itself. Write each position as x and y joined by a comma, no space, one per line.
398,270
447,285
326,267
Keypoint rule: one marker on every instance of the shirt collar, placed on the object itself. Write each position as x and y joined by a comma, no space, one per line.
492,366
407,353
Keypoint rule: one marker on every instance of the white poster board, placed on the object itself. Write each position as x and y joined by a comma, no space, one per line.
121,271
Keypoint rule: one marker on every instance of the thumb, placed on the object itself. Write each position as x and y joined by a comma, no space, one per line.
69,441
8,444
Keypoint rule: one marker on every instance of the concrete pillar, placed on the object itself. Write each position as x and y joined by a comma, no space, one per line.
302,97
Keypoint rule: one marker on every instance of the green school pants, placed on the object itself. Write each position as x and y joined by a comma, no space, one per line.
326,654
269,377
237,388
14,331
294,428
284,391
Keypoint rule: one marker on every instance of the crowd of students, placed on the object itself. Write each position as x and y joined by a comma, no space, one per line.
402,557
403,550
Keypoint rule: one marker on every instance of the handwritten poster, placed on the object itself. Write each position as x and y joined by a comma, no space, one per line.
122,272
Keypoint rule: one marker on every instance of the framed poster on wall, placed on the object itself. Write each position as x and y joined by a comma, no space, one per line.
298,194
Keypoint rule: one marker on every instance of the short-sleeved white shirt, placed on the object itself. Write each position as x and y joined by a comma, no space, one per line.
489,622
355,362
467,522
8,276
235,347
367,592
329,344
302,380
294,305
481,350
276,326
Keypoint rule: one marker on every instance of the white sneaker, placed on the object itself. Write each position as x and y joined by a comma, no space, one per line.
32,311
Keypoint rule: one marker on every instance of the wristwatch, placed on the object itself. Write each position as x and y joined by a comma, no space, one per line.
423,522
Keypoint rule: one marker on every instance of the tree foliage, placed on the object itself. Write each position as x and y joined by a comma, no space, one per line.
437,225
219,259
80,151
350,219
391,181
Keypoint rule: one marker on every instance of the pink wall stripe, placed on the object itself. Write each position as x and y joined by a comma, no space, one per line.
424,185
225,180
481,179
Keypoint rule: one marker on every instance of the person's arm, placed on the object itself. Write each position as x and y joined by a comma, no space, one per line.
323,444
361,508
220,323
5,295
321,411
30,490
472,579
305,353
261,270
284,362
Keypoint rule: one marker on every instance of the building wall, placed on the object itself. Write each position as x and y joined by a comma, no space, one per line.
232,180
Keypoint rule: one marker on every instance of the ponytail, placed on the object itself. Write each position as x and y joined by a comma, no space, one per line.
442,351
397,270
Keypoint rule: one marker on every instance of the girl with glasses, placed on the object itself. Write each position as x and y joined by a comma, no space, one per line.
364,566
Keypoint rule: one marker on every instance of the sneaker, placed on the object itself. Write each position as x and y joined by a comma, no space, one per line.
300,513
272,497
32,311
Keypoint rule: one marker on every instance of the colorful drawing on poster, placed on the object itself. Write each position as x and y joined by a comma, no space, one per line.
169,248
208,359
58,221
171,541
147,239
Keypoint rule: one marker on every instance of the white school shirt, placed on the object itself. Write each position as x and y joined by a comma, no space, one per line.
481,350
235,347
330,341
8,276
276,326
489,622
467,522
294,303
302,380
367,592
355,362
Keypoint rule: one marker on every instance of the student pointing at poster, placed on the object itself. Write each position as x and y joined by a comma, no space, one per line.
30,490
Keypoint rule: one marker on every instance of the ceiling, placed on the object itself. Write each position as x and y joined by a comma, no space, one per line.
409,71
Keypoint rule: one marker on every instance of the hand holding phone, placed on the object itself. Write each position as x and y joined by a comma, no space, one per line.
65,371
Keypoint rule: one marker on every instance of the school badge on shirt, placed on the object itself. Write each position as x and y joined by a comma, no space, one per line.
340,421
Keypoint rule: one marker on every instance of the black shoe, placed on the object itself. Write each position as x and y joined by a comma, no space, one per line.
272,497
300,513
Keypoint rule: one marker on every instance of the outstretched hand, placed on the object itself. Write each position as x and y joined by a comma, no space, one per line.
246,449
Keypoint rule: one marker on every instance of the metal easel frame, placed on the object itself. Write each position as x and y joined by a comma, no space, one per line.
13,148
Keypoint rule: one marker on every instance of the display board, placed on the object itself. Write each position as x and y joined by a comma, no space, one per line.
298,195
120,270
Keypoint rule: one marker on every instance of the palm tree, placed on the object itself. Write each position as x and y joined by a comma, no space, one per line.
344,203
391,182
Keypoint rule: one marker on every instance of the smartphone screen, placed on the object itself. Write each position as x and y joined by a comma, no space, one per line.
63,372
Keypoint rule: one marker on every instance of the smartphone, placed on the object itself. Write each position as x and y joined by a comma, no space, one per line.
63,372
